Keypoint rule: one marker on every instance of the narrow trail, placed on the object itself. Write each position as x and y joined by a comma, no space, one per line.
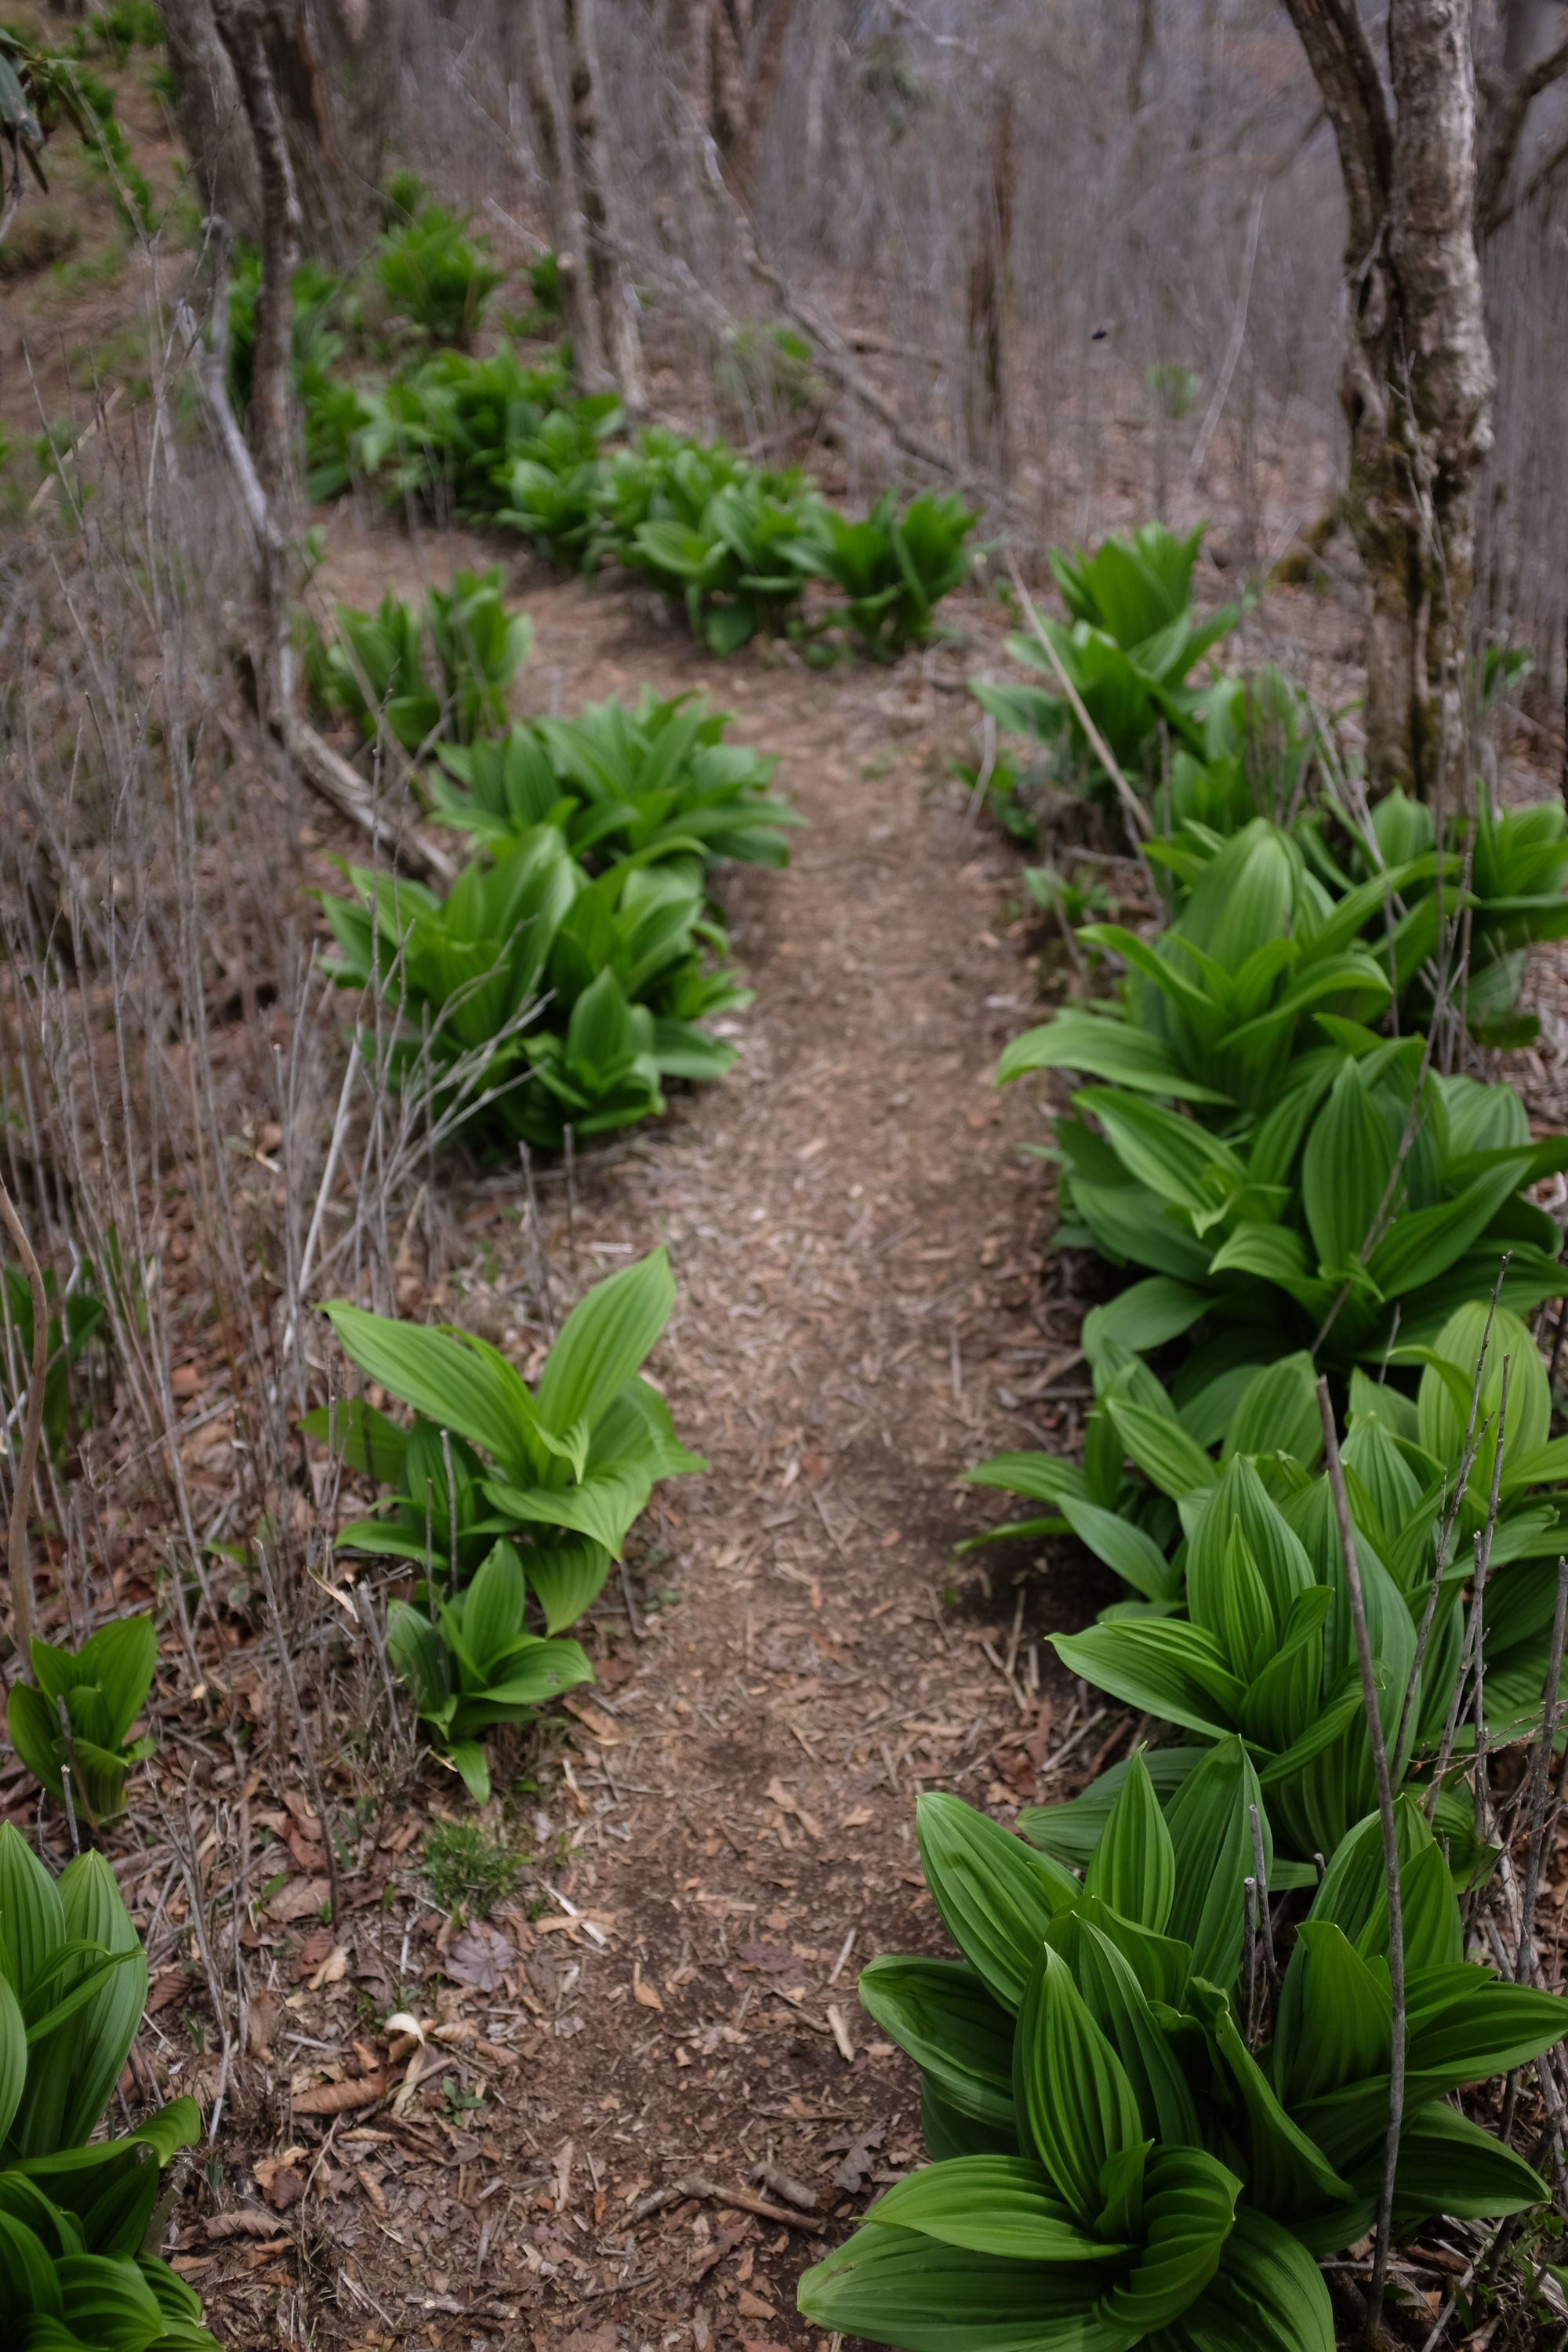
854,1237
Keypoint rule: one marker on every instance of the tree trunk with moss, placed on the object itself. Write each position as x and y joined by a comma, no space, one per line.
1418,383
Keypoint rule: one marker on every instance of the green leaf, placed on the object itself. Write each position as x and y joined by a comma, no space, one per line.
1103,1048
1134,1555
1209,1818
1163,1667
1345,1170
897,2287
1134,1867
604,1340
447,1375
1189,2202
1449,2165
14,2057
993,2205
1070,2089
993,1895
32,1920
940,2013
1267,2292
566,1577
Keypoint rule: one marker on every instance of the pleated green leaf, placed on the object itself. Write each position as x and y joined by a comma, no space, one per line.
993,1895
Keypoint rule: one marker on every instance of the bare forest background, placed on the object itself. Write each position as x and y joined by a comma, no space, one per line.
1095,252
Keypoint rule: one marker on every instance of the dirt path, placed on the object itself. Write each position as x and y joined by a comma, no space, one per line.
849,1222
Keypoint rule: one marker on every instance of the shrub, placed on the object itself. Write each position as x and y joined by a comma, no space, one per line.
1511,896
1130,646
434,276
1284,1195
75,2210
448,427
1077,2189
376,672
78,1712
658,781
535,997
894,567
561,1473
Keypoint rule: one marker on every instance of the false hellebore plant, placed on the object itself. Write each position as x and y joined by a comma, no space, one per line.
76,2210
1127,2152
503,1493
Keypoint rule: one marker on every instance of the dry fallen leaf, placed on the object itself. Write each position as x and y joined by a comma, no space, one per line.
644,1993
752,2307
480,1957
299,1899
340,2098
332,1970
246,2223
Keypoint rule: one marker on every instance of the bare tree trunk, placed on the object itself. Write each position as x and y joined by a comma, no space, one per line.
611,290
331,94
212,118
568,229
1418,376
990,297
767,66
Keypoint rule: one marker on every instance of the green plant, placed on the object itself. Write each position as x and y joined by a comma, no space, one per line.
75,2210
466,1869
434,276
449,427
535,997
1320,1182
737,561
78,1711
1130,646
127,25
1504,878
1175,389
69,1336
375,671
567,1469
39,90
657,782
552,484
894,567
1116,2163
315,297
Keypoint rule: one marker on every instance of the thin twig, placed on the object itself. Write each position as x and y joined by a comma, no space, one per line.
24,1603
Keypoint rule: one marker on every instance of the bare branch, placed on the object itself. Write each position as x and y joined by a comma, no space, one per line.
1508,100
1339,51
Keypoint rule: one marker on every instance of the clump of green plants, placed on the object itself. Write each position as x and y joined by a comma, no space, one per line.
77,1716
77,2210
124,25
1125,2151
448,429
558,1477
445,673
1130,646
893,568
74,1324
435,277
1284,1190
468,1870
653,783
536,997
